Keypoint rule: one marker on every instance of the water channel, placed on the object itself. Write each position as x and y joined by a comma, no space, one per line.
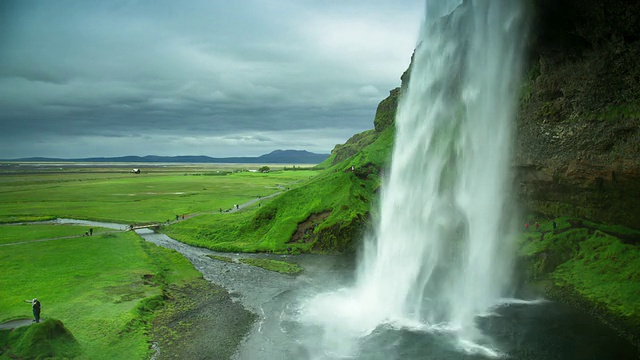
532,329
519,329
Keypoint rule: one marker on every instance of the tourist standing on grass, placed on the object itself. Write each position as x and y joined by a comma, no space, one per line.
91,232
35,306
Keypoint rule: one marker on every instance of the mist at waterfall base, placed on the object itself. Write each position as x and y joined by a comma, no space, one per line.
442,252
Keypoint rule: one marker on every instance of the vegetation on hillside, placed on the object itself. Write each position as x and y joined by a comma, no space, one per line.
327,214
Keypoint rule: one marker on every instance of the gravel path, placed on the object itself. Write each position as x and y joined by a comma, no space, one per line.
16,323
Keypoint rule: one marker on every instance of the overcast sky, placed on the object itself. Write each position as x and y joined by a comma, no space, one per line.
219,78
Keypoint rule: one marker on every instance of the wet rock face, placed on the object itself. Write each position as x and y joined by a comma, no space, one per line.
578,131
606,193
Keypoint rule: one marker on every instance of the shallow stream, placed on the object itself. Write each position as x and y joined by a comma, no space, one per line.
517,329
528,330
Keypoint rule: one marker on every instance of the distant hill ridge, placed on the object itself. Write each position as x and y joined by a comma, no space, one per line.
274,157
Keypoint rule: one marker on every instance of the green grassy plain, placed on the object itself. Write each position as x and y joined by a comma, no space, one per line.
129,198
97,286
105,287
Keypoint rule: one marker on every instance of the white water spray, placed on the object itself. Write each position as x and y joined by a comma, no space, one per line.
442,252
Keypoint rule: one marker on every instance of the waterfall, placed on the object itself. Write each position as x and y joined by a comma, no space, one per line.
442,251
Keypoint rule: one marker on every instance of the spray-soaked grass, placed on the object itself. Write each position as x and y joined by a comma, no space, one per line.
605,271
102,288
130,198
600,267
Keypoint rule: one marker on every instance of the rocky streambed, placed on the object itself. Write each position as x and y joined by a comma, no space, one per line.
252,313
239,312
241,300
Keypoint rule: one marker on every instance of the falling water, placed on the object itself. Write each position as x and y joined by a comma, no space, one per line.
442,252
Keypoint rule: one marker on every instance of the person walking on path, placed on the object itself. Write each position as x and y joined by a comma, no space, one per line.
537,226
35,306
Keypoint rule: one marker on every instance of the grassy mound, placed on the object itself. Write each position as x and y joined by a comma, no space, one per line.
49,339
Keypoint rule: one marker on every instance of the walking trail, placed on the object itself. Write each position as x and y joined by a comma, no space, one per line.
16,323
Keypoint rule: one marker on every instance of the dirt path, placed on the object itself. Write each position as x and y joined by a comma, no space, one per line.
16,323
52,239
232,210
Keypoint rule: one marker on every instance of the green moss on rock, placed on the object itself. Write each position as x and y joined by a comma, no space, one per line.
582,263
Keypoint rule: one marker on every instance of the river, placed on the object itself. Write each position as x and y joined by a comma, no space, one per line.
517,329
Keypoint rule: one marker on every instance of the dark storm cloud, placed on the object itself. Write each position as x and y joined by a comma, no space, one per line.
197,77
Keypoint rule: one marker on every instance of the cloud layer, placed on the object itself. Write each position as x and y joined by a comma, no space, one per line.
222,78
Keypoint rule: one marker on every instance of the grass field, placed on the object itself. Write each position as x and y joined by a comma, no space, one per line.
104,287
96,285
129,198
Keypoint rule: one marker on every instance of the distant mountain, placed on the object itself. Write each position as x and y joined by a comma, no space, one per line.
274,157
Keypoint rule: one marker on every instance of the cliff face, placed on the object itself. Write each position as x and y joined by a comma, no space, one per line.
578,132
578,129
578,155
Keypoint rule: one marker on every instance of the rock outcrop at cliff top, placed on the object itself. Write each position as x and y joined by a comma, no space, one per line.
578,134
